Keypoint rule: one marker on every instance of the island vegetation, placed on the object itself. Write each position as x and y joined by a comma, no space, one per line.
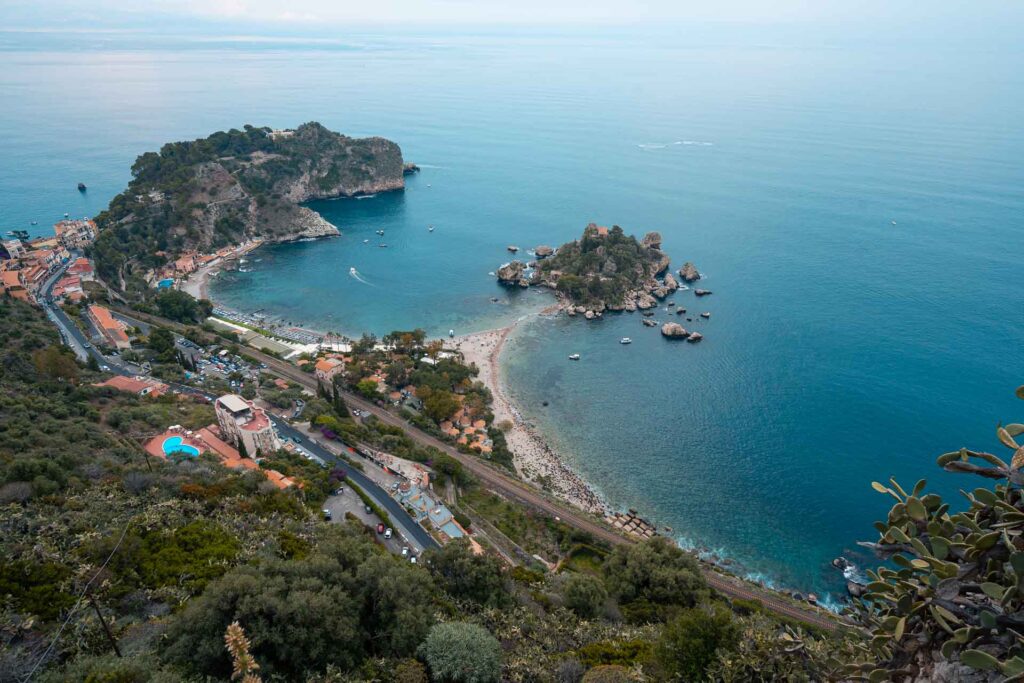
231,187
605,269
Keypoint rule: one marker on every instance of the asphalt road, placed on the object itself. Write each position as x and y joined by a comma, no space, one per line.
521,492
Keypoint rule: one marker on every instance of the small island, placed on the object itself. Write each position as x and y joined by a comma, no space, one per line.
231,188
605,269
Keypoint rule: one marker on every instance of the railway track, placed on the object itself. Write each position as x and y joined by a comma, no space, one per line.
517,490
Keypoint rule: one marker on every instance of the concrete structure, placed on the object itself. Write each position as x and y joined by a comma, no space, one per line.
113,330
245,425
14,248
75,234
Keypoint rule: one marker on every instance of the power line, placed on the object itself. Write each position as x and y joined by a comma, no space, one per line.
78,603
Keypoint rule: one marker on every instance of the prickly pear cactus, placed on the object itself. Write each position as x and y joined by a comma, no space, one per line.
956,581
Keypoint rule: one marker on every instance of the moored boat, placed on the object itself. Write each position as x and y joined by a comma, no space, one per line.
625,340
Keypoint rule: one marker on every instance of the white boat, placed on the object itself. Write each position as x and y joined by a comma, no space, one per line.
366,241
625,340
574,356
451,333
380,232
430,228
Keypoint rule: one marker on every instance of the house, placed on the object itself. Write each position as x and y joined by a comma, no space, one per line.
327,368
12,285
75,234
113,330
13,248
185,264
142,386
82,268
245,425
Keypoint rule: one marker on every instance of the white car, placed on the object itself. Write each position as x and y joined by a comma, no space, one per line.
412,559
387,534
405,551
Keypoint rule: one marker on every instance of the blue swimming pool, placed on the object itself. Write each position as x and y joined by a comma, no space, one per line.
164,284
174,445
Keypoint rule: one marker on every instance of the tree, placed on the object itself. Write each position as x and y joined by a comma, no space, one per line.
692,641
368,388
657,575
440,404
337,402
458,652
397,607
463,574
180,306
56,363
584,594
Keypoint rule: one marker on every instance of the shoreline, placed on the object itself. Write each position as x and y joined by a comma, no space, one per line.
534,460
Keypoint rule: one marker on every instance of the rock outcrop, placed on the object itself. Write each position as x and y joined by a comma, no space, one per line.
689,272
702,292
670,282
652,240
543,251
674,331
513,274
694,337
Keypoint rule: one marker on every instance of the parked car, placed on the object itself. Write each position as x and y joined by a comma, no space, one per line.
387,533
327,514
380,528
341,490
412,559
368,509
405,551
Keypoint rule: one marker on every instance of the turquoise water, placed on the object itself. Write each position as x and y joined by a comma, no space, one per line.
842,348
174,445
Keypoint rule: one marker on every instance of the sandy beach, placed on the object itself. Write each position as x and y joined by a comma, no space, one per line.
534,459
198,283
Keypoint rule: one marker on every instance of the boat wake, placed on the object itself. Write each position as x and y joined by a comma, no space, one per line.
365,196
355,273
677,143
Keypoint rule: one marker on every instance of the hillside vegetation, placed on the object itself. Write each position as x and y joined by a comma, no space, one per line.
173,552
233,186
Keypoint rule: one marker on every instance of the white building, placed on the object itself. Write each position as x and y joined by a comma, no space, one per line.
246,425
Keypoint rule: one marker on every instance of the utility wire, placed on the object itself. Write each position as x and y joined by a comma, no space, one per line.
78,604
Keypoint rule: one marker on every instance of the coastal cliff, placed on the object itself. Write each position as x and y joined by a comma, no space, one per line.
232,187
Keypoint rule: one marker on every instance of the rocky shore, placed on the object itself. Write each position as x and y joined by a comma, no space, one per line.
534,459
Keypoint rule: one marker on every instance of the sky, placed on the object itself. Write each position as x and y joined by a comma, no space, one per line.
319,15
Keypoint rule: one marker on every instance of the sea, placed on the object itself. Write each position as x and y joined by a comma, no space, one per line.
855,202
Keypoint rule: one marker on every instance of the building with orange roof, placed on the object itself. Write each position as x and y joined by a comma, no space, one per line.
179,440
142,386
11,284
113,330
82,268
185,264
327,368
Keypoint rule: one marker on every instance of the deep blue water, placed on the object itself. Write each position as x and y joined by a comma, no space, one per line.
842,348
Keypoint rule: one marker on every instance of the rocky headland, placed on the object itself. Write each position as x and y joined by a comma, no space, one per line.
236,186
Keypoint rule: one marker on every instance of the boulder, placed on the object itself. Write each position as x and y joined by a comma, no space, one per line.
689,272
660,292
645,300
589,315
652,240
511,273
649,323
670,282
543,251
702,292
513,248
674,331
629,305
695,337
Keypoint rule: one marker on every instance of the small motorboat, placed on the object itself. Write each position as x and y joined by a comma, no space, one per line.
451,333
625,340
430,228
366,241
82,188
382,245
380,232
705,315
894,222
35,222
574,356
